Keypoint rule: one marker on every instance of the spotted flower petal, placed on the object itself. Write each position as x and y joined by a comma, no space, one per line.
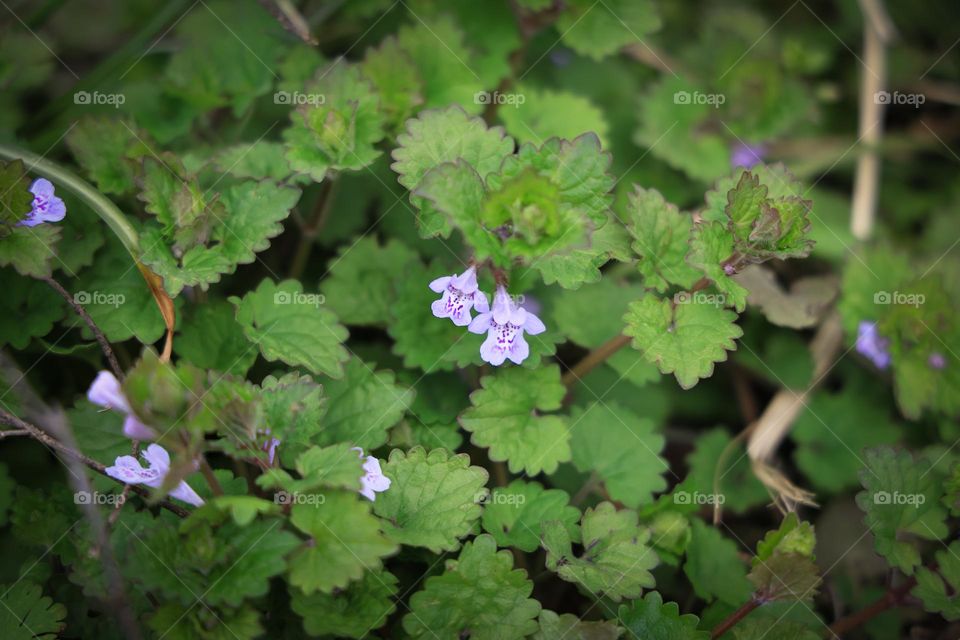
373,481
505,325
459,296
46,206
128,470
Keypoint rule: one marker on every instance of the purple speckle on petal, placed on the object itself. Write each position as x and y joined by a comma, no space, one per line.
937,360
459,296
872,345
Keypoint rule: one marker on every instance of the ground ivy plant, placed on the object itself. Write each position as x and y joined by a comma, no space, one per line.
489,320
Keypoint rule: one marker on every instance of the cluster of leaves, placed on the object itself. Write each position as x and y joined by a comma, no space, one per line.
289,204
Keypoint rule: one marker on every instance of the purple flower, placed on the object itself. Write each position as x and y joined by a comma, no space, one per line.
459,296
746,155
871,344
128,470
106,392
937,360
270,445
46,206
505,325
373,480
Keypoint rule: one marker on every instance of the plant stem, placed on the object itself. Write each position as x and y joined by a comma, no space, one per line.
38,434
98,334
890,599
211,479
594,358
735,617
308,235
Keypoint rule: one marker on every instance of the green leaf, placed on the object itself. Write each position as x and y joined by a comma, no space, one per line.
30,250
227,56
652,619
456,192
686,339
293,410
616,560
661,237
784,567
16,200
680,133
505,417
337,123
570,309
599,30
436,47
252,215
396,79
354,612
439,136
189,622
710,248
211,338
765,226
578,168
830,458
363,405
244,509
938,589
109,150
543,113
800,307
711,460
227,563
28,309
29,615
901,498
479,594
346,542
513,515
120,300
622,448
579,266
433,498
291,326
334,467
361,283
571,626
714,568
758,629
255,160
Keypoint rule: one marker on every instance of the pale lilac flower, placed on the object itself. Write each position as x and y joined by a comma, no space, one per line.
106,392
373,480
937,360
270,445
871,344
746,155
46,206
128,470
459,296
505,326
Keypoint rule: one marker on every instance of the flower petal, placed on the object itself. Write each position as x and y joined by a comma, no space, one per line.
481,323
440,284
105,392
136,430
533,325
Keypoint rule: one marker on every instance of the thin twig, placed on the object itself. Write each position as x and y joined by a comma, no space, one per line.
38,434
735,617
308,234
890,599
97,333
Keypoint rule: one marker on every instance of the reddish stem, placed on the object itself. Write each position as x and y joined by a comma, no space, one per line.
735,617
